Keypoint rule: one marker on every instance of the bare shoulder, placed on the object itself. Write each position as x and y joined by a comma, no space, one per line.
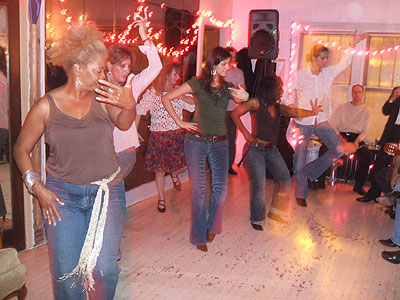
40,110
42,105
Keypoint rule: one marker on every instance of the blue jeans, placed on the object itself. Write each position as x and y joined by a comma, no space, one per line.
256,162
397,187
217,154
315,168
65,240
396,226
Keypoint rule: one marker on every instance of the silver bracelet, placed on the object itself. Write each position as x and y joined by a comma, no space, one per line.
30,177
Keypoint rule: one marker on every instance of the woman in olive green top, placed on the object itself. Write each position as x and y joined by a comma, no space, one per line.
206,140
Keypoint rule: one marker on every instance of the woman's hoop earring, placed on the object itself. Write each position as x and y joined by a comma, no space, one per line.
213,72
109,75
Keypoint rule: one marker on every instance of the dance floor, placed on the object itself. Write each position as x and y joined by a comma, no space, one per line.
329,250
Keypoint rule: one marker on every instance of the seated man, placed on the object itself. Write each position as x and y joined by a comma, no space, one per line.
352,121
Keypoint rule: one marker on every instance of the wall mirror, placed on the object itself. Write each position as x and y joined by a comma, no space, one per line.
172,18
12,229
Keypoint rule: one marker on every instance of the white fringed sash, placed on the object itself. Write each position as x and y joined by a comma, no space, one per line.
94,237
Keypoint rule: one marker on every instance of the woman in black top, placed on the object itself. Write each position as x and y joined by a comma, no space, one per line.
261,149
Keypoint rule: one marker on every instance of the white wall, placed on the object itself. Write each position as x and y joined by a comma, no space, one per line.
222,9
313,11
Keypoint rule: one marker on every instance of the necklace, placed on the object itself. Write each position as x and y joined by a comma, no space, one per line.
216,92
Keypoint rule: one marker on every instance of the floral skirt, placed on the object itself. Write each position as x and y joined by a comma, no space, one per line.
165,151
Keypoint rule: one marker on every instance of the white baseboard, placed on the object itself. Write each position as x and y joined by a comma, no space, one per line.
147,190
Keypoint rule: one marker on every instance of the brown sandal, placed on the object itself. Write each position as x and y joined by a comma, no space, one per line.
161,206
176,182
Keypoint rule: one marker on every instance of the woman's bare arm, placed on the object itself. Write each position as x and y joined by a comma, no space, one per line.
33,128
243,108
177,93
294,112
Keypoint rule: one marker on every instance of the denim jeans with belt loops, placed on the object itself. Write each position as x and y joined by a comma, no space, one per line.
256,162
313,169
66,239
217,154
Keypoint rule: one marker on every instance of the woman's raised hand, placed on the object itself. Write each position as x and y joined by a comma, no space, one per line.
116,95
141,23
358,37
315,108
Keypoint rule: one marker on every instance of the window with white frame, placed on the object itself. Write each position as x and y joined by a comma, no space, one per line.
380,70
338,41
382,73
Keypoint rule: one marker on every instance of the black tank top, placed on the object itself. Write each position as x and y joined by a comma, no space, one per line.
264,127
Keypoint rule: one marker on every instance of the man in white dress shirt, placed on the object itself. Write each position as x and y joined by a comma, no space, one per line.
314,84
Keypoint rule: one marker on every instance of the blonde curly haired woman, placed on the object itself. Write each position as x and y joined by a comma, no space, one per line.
78,120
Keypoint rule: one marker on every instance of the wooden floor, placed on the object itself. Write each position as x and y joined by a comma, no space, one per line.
329,250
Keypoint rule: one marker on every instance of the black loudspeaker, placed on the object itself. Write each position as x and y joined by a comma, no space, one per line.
263,34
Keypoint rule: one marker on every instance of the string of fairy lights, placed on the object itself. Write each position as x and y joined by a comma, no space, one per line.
125,37
297,28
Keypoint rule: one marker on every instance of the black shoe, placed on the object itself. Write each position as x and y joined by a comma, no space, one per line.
359,190
391,256
301,202
321,185
364,199
391,212
257,227
161,206
232,171
395,194
312,185
388,243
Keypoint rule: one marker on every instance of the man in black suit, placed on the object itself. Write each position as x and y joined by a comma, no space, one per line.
391,134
